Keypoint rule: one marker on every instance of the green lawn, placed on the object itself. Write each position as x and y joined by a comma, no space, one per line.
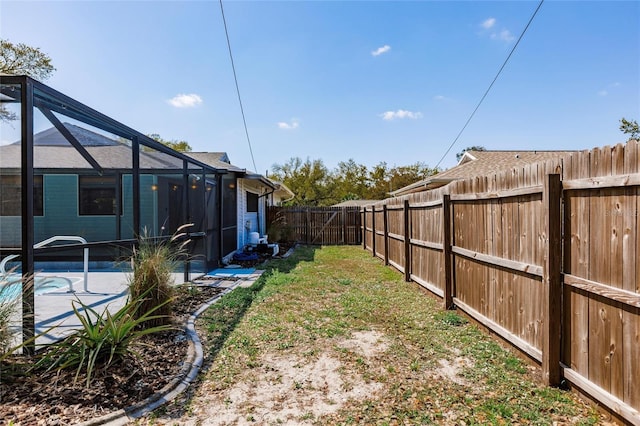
331,336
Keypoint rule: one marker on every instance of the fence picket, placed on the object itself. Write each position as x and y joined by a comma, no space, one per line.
462,242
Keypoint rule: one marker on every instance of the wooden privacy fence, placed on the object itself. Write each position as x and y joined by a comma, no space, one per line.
547,257
317,225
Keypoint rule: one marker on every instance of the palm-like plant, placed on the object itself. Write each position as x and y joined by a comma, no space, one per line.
103,340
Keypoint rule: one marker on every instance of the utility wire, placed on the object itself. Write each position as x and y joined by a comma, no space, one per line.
491,85
235,78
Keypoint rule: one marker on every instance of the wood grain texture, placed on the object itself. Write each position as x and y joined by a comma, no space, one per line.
501,263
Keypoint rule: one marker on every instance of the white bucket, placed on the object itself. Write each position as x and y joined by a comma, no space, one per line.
254,237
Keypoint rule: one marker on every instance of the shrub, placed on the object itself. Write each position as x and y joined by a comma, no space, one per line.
153,263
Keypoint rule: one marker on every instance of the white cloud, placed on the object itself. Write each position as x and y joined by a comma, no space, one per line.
185,101
439,98
293,124
605,91
488,23
504,35
380,50
401,113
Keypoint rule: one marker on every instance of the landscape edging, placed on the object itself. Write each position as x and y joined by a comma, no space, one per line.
187,375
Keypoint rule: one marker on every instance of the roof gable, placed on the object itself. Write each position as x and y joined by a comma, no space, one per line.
219,160
52,137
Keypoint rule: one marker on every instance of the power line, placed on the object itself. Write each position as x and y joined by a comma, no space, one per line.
491,85
235,78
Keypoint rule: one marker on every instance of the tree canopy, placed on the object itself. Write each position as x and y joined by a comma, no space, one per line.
631,128
20,59
180,146
315,185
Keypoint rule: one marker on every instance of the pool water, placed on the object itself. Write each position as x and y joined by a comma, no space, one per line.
11,288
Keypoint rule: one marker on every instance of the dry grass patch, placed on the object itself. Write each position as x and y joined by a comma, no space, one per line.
332,337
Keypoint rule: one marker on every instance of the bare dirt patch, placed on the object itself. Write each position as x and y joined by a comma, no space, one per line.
286,389
450,370
368,343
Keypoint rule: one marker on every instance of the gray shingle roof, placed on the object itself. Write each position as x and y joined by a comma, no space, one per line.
481,163
355,203
219,160
52,151
66,157
52,137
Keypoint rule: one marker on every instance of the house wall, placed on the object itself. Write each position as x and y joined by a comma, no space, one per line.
61,217
257,222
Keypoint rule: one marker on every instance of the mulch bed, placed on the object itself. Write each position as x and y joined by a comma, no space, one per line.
55,398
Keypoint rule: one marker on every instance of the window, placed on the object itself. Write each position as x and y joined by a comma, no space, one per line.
252,202
97,195
11,196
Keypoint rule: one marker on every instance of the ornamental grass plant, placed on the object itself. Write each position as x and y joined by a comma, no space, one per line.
153,262
10,315
9,307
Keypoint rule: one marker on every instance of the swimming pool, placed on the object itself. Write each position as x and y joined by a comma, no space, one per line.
11,286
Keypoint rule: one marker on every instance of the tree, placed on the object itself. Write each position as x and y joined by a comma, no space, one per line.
378,182
314,185
631,128
469,148
308,180
349,181
20,59
180,146
399,177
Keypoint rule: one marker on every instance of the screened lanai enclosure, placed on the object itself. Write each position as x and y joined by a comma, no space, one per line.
78,189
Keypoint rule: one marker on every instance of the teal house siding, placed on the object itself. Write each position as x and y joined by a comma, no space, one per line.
148,206
61,213
10,231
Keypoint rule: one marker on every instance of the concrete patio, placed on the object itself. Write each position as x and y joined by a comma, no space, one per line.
54,316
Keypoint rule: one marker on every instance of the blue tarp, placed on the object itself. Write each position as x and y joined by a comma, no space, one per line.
243,257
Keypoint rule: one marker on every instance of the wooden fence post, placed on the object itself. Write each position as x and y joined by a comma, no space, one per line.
364,228
373,230
551,280
446,243
407,242
385,225
307,230
344,225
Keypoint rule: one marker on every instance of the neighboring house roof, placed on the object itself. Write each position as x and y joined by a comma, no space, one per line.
282,190
219,160
355,203
480,163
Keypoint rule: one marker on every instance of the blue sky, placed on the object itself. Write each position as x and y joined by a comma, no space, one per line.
333,80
